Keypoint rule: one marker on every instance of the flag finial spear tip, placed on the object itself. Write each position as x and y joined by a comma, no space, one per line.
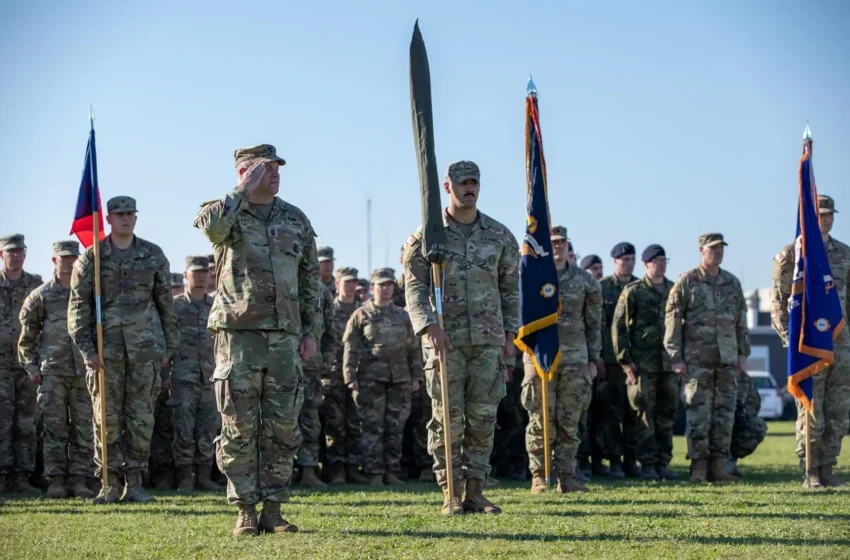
91,114
531,88
807,134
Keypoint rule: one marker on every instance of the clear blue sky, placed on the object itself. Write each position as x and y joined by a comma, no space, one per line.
661,121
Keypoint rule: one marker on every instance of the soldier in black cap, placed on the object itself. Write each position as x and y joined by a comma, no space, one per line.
652,387
619,417
593,264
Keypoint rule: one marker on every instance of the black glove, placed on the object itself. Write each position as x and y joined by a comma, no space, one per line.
742,422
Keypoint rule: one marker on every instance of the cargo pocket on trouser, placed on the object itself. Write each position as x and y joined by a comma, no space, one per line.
530,396
224,405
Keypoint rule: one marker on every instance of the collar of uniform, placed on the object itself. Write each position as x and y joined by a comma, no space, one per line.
648,283
703,276
55,284
449,222
138,249
278,209
4,281
617,282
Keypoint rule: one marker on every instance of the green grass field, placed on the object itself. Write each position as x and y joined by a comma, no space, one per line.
769,516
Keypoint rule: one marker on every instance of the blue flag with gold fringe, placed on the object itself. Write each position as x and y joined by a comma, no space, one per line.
815,317
538,280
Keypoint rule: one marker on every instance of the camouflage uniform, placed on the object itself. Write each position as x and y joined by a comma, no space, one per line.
139,329
638,338
342,425
620,419
268,288
45,348
831,389
308,420
18,406
580,339
480,305
749,430
194,414
706,328
326,253
382,355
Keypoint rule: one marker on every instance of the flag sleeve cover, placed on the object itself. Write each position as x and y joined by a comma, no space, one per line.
433,234
815,317
88,199
539,299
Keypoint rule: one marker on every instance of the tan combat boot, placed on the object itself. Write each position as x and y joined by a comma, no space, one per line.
78,488
392,480
812,478
452,504
57,490
829,478
352,475
475,500
336,474
376,480
569,483
272,522
717,471
109,494
699,471
246,521
309,478
204,480
427,475
21,485
133,491
185,479
538,483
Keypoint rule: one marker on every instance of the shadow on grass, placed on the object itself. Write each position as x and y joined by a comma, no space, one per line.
686,514
605,537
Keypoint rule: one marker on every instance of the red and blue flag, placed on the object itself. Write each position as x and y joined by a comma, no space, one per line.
88,200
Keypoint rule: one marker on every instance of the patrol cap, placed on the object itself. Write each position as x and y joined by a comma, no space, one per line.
622,249
711,239
68,248
13,241
346,273
651,252
197,262
383,275
558,233
363,283
176,280
325,253
826,205
589,261
121,204
263,152
460,171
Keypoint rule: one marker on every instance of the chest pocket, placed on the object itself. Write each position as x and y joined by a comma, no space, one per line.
285,240
140,273
55,309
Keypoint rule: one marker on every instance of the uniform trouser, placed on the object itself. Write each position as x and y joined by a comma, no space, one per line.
18,419
196,422
259,391
309,421
654,398
342,425
596,418
131,390
420,415
66,414
831,395
569,397
710,398
161,459
620,419
383,409
476,385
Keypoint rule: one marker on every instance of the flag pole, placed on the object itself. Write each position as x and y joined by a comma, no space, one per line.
807,147
101,374
437,277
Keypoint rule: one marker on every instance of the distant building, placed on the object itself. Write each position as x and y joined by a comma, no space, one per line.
768,353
